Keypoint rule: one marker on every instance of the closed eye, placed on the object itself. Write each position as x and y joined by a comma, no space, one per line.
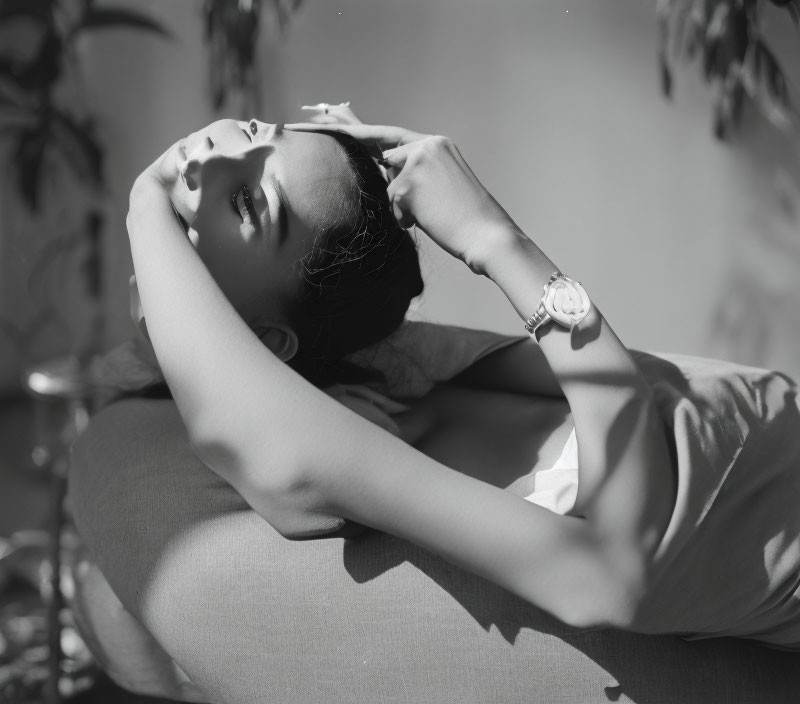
247,209
235,205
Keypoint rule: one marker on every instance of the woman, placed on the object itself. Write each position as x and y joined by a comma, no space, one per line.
687,469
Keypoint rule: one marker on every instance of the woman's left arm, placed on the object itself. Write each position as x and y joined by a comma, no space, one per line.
215,365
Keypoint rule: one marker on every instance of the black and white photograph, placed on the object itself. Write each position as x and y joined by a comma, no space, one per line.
399,351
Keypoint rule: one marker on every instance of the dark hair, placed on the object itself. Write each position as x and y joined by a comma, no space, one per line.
356,282
358,278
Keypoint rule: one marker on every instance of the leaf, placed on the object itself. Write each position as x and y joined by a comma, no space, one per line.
757,60
666,77
92,266
29,157
12,131
121,18
735,94
794,13
681,30
772,74
776,84
715,33
79,147
13,120
719,122
41,10
45,69
218,67
696,28
9,70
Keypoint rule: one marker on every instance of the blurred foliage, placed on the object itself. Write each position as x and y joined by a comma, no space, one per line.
31,115
725,37
231,33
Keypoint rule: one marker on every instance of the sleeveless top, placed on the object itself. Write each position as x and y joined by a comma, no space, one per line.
728,563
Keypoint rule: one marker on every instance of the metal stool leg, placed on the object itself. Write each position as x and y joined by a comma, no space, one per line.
58,489
61,381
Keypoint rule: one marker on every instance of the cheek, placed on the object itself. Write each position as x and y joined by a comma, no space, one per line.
249,276
240,277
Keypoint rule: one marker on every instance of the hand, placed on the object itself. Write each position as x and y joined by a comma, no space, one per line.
165,168
433,187
164,176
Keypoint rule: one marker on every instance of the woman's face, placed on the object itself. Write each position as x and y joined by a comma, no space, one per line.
254,198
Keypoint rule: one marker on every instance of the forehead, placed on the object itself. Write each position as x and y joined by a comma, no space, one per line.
315,177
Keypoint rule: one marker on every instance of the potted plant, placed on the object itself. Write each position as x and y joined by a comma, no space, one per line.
44,123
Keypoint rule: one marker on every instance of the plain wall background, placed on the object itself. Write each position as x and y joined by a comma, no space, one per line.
556,106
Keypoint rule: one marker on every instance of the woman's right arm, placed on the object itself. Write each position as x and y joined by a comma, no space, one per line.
624,471
627,482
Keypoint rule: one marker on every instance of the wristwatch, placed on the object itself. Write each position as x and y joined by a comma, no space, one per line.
564,301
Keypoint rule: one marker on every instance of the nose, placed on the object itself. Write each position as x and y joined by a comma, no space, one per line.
190,171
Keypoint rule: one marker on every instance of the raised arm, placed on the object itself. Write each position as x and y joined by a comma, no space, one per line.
626,481
301,459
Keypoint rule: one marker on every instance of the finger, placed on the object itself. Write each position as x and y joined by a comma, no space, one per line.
406,221
404,218
396,192
325,106
390,174
337,113
323,119
382,136
334,117
395,158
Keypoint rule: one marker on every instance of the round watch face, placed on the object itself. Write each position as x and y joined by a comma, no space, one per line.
566,301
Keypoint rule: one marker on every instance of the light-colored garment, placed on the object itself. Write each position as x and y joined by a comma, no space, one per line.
729,561
556,488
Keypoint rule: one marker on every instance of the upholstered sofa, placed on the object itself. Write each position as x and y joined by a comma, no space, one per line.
207,588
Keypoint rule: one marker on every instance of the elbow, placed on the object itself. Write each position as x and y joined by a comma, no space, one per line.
615,604
606,591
